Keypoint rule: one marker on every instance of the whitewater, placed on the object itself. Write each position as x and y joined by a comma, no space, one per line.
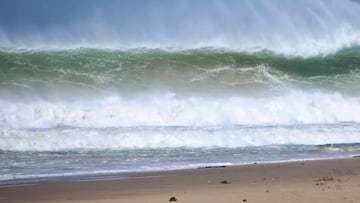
101,94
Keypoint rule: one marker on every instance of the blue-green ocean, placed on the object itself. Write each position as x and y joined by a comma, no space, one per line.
183,84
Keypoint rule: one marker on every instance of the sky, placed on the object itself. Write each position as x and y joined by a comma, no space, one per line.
24,14
15,14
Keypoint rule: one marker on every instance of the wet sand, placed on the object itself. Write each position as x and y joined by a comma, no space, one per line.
336,180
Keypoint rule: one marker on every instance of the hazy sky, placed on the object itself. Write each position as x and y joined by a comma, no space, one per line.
18,13
23,14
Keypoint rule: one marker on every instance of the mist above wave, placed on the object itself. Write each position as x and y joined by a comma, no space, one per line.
297,28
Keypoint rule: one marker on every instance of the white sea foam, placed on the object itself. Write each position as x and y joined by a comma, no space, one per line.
158,120
155,138
171,110
171,121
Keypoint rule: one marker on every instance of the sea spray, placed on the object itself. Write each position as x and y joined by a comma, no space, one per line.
299,28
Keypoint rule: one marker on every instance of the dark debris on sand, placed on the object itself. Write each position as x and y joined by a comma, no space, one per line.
212,167
324,179
225,182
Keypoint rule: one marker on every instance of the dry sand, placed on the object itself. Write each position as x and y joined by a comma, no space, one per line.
335,180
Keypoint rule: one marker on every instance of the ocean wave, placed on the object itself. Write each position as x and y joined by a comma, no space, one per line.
105,59
189,69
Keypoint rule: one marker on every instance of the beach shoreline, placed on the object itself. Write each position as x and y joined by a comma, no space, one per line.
333,180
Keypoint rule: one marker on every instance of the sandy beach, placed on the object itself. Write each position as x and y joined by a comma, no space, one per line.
336,180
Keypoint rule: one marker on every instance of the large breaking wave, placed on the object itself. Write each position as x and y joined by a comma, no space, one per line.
205,69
